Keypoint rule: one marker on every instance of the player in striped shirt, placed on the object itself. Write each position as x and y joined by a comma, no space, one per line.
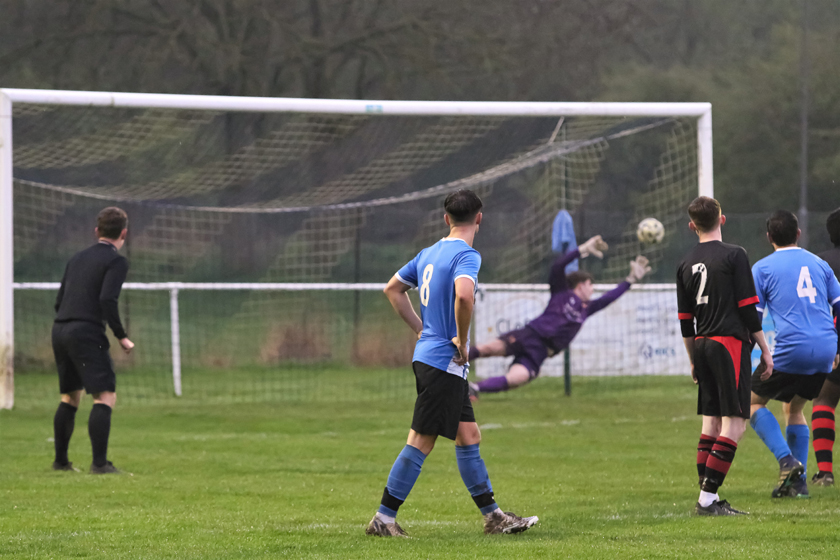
822,418
715,288
798,289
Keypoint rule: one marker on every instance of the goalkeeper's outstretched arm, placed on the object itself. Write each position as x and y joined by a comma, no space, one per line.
557,278
638,269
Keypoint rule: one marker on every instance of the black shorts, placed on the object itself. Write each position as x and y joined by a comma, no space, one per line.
834,376
443,401
784,386
722,368
82,358
527,349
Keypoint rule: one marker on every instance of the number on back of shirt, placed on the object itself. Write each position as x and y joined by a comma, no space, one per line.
804,287
700,268
424,287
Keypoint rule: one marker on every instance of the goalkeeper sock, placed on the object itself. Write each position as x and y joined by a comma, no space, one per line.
493,385
99,428
401,480
475,477
798,437
767,428
63,424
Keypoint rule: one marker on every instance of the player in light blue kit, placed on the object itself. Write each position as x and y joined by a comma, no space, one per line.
799,289
446,275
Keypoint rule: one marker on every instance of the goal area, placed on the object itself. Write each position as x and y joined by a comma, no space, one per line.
262,230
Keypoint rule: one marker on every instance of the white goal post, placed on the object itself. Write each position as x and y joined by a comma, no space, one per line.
10,97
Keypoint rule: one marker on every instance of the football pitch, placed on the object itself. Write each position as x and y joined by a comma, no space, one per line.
609,471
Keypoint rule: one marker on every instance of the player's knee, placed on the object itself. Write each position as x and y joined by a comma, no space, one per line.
107,398
73,399
468,434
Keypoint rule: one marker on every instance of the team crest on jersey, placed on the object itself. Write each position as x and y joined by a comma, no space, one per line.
572,314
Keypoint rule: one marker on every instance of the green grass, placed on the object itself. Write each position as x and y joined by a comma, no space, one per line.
610,471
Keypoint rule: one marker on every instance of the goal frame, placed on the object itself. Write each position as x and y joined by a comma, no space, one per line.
8,97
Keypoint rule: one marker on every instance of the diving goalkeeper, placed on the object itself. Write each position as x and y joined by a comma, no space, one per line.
552,332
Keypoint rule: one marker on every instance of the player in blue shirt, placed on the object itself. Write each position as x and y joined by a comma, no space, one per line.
798,289
446,275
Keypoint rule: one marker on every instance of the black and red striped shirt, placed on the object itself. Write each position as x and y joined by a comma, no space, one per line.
715,286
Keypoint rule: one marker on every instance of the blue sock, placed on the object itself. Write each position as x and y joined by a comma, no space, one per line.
401,479
798,437
767,428
475,477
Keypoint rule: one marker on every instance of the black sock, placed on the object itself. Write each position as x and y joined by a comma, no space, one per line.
63,423
99,428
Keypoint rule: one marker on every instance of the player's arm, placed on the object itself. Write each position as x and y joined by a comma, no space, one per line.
833,290
397,293
60,295
747,292
638,269
108,300
464,303
685,313
557,277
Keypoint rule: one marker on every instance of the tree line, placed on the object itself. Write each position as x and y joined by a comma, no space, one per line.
742,56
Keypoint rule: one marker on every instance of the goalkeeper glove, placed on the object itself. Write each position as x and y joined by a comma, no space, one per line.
638,269
594,246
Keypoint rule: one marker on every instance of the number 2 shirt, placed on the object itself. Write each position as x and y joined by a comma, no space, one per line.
715,287
433,272
799,288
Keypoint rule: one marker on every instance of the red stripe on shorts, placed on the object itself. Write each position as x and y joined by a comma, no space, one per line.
733,345
748,301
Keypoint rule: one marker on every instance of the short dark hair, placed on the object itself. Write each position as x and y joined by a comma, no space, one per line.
578,277
782,226
462,206
111,221
704,212
832,224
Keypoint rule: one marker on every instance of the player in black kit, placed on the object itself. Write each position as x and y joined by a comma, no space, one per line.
822,416
715,287
87,299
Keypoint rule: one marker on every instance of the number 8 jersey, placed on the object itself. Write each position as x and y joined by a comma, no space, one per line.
799,288
715,287
433,272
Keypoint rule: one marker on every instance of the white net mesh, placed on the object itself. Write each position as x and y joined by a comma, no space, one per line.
250,197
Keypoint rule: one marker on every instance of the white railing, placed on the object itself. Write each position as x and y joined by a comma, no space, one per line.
174,288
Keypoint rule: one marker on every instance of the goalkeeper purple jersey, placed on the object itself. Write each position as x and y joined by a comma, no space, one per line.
565,313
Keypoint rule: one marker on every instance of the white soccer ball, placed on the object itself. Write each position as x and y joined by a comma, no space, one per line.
650,230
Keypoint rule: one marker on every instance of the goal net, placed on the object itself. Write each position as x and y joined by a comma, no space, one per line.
262,230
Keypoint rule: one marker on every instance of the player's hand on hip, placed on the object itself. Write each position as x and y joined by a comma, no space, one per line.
767,362
638,269
127,345
463,353
594,246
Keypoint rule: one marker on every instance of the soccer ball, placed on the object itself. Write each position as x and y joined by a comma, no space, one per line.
650,230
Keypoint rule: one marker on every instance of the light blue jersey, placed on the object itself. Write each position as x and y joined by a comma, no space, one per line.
798,289
434,271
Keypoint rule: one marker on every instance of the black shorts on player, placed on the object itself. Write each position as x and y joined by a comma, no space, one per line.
527,349
82,358
443,401
783,386
722,368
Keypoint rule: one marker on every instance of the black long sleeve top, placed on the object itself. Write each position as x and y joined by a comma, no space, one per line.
91,287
